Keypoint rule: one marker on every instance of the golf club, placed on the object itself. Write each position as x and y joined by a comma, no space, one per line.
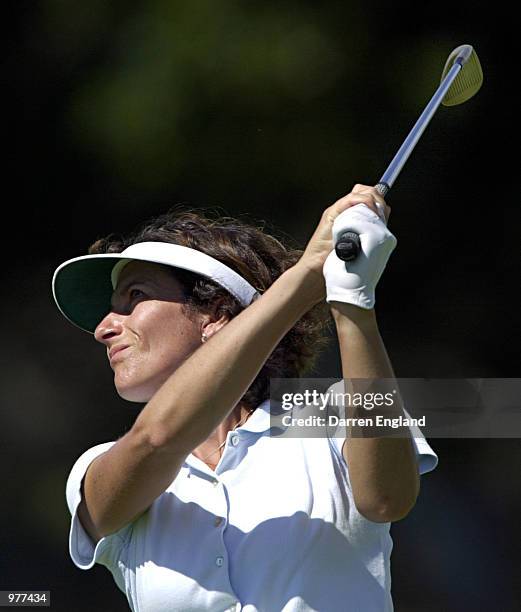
461,79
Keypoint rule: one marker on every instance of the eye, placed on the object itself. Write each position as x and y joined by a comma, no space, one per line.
136,293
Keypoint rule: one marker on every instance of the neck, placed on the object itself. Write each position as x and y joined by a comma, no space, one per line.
208,451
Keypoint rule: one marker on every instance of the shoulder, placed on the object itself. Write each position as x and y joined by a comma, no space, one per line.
78,470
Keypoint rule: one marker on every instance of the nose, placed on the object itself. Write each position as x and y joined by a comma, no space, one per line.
109,327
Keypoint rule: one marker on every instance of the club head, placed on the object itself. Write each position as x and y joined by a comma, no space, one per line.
468,80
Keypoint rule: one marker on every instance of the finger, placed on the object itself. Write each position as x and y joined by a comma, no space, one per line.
369,189
387,212
359,188
352,199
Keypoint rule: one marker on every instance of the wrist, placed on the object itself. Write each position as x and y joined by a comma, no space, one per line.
344,312
311,282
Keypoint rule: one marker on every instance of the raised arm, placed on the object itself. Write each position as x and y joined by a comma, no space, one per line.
383,471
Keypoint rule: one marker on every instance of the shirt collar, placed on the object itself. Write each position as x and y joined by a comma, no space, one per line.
260,419
259,422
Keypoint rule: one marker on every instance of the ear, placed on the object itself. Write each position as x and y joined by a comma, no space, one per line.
210,326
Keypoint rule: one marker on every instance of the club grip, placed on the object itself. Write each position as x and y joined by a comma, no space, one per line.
348,245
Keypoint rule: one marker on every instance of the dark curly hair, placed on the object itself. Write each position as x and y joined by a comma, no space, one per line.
257,256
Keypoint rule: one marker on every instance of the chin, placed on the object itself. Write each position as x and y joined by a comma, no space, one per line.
137,386
139,395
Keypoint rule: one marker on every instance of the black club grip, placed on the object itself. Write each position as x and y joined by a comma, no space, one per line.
348,245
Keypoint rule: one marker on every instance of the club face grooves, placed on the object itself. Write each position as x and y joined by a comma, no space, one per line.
469,79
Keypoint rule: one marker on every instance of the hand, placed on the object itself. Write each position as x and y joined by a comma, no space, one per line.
321,243
354,282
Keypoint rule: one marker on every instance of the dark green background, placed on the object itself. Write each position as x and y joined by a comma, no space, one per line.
274,110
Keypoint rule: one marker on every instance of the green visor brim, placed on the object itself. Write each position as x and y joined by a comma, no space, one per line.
83,290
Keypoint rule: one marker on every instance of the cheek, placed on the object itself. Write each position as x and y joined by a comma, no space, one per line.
164,339
170,338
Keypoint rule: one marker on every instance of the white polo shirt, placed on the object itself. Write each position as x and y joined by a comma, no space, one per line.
273,529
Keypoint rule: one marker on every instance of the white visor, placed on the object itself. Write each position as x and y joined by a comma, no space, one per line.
83,286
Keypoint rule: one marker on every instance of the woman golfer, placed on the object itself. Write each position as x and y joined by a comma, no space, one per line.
199,507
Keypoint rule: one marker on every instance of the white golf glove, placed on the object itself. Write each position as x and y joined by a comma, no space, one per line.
354,282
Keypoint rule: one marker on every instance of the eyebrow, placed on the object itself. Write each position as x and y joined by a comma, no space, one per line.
121,289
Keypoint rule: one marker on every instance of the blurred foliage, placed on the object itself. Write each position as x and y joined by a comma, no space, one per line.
272,107
173,70
243,88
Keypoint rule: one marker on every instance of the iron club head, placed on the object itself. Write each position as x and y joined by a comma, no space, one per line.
468,80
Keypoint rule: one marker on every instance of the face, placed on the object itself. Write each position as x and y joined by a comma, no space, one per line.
146,333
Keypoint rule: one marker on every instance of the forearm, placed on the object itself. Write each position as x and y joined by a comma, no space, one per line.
382,471
205,388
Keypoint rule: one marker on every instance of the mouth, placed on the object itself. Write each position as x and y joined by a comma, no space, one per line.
117,352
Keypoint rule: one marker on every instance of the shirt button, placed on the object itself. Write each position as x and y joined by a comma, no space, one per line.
219,561
235,440
215,483
218,521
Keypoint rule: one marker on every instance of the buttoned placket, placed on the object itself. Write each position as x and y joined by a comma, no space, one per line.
220,519
221,510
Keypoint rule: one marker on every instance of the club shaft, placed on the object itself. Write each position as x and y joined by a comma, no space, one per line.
395,167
